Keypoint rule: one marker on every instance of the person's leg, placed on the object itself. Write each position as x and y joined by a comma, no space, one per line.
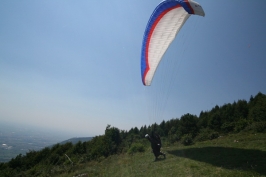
156,154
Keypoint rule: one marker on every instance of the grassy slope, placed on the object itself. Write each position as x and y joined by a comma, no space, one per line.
232,155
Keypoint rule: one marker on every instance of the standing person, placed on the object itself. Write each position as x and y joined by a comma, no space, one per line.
155,144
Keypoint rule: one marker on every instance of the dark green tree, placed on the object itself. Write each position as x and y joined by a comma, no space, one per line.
188,125
112,139
257,108
215,121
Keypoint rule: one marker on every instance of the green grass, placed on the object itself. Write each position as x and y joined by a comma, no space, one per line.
232,155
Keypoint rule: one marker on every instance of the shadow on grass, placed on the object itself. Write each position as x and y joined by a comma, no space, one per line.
229,158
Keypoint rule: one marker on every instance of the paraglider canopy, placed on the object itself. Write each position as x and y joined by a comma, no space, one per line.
164,24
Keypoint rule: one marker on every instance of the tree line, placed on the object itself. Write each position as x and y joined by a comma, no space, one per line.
229,118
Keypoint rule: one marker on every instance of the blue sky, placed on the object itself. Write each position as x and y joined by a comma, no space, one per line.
74,66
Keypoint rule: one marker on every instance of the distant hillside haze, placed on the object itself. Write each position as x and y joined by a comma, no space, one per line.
17,139
76,140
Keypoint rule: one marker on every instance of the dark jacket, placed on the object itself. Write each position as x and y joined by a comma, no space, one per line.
155,143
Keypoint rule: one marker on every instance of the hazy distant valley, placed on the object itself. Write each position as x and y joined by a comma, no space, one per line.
16,140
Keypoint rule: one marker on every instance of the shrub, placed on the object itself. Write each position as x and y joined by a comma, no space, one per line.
173,138
136,147
187,140
213,135
207,134
259,127
228,127
203,135
241,125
